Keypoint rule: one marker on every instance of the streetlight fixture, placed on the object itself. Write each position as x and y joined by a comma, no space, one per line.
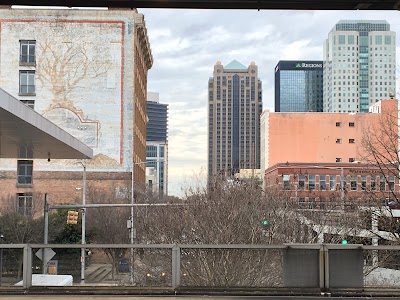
83,258
131,224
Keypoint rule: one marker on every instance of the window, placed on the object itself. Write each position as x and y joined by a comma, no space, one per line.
364,183
373,183
338,159
353,183
29,103
332,182
162,151
338,124
24,204
311,182
301,182
351,141
391,183
322,182
338,141
352,159
286,182
24,171
151,151
27,52
382,182
302,202
26,82
351,124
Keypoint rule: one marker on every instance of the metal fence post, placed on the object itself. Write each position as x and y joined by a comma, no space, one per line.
176,266
322,268
27,267
326,267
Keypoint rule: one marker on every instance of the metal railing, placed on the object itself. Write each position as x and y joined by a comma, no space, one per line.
306,268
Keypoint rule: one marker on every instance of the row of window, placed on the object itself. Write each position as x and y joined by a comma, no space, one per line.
339,124
308,182
27,57
339,141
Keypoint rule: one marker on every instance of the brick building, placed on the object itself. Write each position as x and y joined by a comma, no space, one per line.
86,71
319,185
315,137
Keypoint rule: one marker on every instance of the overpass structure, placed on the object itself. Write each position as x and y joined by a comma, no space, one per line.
22,127
220,4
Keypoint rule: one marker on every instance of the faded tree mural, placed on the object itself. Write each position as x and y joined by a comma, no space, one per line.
67,58
74,66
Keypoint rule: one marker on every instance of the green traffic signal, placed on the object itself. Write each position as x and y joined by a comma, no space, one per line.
344,242
265,222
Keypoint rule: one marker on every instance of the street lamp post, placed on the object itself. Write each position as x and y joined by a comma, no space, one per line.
83,256
132,228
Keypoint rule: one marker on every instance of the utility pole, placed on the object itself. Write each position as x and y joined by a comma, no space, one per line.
132,222
45,232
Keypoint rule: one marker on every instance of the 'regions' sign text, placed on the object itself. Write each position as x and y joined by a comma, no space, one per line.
305,65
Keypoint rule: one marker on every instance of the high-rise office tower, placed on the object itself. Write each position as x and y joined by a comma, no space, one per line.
157,141
298,86
234,109
359,65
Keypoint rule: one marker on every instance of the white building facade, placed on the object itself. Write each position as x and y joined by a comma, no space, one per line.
359,65
86,71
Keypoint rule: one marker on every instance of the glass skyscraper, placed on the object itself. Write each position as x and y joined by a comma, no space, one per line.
359,65
298,86
234,109
157,140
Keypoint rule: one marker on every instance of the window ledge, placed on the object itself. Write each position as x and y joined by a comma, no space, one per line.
27,64
24,185
26,94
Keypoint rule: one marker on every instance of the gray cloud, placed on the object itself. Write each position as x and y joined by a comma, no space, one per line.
187,43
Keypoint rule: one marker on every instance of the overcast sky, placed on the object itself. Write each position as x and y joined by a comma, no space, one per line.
186,44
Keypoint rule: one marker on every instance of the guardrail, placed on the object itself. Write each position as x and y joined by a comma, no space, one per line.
183,268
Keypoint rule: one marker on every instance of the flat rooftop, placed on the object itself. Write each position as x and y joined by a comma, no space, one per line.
21,126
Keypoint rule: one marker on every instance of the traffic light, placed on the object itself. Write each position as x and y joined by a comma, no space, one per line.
264,224
72,217
344,242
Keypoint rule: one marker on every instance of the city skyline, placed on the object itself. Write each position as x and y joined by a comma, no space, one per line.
187,43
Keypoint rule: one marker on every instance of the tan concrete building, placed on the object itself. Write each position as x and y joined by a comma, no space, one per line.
234,109
318,137
86,71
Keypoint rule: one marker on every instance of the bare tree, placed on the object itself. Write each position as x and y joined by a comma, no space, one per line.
108,224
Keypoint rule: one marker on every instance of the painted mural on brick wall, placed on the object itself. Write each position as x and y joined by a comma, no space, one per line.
78,80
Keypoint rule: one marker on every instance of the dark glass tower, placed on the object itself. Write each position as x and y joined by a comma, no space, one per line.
157,140
299,86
